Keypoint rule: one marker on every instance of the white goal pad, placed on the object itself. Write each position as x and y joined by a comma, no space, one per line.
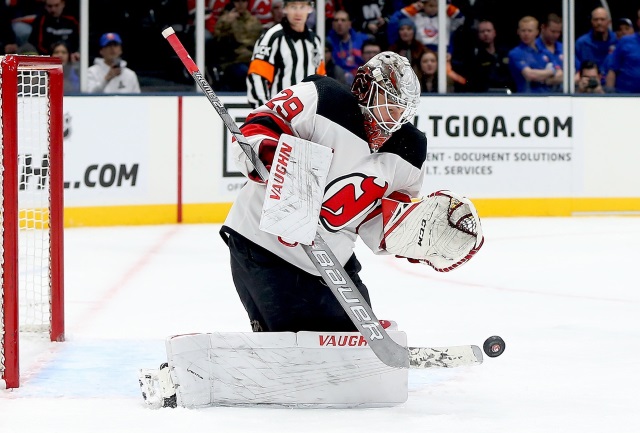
295,189
305,369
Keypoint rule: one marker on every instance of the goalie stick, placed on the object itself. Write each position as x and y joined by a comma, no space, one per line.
323,259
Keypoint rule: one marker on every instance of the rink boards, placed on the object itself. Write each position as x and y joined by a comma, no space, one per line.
165,159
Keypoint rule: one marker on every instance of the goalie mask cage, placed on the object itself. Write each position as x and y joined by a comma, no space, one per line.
31,209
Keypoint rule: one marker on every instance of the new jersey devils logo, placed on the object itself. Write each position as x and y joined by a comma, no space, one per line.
349,198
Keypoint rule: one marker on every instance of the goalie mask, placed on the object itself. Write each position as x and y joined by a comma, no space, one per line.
388,92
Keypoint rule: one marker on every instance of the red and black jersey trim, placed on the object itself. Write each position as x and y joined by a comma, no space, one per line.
267,121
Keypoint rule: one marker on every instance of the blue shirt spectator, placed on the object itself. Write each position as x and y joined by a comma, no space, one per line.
553,50
549,39
532,69
347,43
556,56
598,42
624,74
623,27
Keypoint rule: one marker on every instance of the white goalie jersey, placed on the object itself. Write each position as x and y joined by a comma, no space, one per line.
323,111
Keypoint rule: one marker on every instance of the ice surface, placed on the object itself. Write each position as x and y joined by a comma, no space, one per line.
563,292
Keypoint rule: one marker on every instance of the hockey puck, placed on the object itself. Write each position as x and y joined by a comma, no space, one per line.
493,346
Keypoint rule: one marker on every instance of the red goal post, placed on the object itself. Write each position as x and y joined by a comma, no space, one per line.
31,212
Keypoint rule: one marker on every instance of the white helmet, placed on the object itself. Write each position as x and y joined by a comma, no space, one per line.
388,90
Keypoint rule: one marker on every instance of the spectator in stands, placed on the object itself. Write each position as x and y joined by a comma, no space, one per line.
235,35
27,49
371,17
624,75
549,39
425,15
331,7
55,25
213,11
427,71
407,45
334,71
23,14
347,43
589,78
261,9
488,69
277,14
532,70
110,74
369,49
71,79
623,27
549,43
598,42
8,43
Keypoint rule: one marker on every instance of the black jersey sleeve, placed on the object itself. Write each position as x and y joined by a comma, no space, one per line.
336,103
409,143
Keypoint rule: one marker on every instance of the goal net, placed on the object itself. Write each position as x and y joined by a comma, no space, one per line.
31,210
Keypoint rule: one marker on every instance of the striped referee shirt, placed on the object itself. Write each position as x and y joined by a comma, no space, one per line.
281,58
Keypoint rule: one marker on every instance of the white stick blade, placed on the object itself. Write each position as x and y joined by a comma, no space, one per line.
445,357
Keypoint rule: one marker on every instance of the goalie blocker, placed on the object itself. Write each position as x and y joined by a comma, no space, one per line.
443,230
295,188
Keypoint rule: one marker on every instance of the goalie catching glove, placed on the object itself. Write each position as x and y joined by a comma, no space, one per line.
443,230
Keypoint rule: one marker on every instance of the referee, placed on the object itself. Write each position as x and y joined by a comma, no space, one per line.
284,55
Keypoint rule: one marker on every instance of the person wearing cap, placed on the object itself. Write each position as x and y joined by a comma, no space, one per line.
284,55
109,73
624,73
407,45
623,27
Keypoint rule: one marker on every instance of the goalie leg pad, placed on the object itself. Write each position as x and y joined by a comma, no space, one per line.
305,369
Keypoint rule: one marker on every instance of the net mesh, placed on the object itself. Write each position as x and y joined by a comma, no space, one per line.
33,201
34,272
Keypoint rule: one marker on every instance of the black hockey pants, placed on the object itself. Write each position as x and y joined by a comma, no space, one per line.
279,296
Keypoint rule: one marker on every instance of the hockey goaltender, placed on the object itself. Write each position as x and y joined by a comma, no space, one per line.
350,160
